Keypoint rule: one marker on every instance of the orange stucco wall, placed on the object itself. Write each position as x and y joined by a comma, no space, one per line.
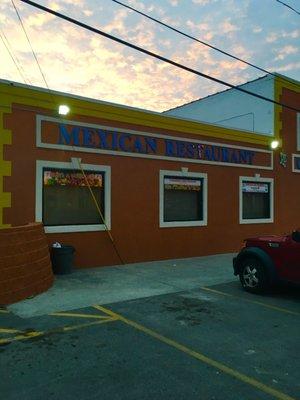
135,194
288,182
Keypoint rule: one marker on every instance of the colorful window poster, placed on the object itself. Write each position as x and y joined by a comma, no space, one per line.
182,184
66,178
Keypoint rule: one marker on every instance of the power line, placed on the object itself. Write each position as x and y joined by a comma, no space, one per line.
200,41
154,55
29,42
14,59
288,6
190,36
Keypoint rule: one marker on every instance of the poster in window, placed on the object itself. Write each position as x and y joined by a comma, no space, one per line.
64,178
182,184
255,187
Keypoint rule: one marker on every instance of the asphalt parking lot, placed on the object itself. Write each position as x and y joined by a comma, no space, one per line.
213,342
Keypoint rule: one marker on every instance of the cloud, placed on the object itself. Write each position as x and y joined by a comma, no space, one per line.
272,37
80,62
203,2
257,29
294,34
117,24
286,51
171,21
136,4
228,27
96,67
208,36
75,2
76,61
240,51
54,6
38,19
89,13
198,27
288,67
174,3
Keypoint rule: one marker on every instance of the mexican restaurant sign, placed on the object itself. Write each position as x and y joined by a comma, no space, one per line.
78,136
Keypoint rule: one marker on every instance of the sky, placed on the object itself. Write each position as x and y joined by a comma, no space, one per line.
76,61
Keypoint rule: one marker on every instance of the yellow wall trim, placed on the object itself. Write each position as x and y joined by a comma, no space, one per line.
23,96
279,84
5,168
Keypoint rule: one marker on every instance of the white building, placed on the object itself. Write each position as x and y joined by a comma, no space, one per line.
234,109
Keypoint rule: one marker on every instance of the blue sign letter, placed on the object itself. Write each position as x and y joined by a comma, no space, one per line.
122,139
169,148
150,143
68,138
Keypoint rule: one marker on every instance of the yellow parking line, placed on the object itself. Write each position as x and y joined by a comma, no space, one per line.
8,330
72,328
27,335
63,314
32,334
222,367
260,303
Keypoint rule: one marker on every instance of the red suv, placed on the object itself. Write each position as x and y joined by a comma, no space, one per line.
267,260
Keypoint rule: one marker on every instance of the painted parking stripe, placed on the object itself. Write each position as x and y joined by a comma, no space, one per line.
64,314
3,311
33,334
24,336
9,330
260,303
199,356
75,327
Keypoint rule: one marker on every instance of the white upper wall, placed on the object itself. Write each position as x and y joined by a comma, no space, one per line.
235,109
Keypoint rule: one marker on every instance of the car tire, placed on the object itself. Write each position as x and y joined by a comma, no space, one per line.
253,275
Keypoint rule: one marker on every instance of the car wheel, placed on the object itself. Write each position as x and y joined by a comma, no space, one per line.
253,275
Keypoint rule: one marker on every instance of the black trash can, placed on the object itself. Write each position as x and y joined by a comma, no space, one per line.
62,259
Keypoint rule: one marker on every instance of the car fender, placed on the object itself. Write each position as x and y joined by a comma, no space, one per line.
259,254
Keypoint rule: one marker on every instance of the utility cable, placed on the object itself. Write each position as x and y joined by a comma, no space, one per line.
288,6
100,212
198,40
154,55
14,59
29,42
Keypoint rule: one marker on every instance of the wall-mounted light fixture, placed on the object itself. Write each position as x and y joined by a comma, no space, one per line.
63,109
274,144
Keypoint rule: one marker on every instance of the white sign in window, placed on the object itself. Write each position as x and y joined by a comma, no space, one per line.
183,199
254,187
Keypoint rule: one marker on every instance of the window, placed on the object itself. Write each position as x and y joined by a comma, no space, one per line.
296,163
63,199
183,199
298,131
256,200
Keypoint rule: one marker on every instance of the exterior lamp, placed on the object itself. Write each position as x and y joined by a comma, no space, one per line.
63,109
274,144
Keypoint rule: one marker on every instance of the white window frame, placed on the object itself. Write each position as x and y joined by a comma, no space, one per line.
293,163
40,164
181,174
258,220
298,131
